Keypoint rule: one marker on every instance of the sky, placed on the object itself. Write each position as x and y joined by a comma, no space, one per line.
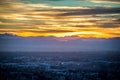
61,18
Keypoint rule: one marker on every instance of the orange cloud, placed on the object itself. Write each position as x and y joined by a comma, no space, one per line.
45,20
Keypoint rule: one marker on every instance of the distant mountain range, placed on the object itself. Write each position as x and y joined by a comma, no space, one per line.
67,38
10,42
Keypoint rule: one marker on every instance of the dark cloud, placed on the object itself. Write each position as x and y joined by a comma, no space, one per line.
81,26
8,2
4,2
48,31
118,20
92,11
109,25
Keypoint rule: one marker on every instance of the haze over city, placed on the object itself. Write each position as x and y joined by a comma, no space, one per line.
59,39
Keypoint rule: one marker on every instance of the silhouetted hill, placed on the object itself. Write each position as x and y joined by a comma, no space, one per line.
64,39
9,36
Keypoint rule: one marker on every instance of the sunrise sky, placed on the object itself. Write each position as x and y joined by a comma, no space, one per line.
60,18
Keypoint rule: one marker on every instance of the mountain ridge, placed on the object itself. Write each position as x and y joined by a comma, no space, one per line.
66,38
10,42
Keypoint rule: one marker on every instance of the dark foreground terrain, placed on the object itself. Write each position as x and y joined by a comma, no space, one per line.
60,65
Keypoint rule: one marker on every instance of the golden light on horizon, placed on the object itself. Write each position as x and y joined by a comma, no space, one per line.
85,34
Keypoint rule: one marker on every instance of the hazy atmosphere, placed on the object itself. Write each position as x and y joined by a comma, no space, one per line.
59,39
59,25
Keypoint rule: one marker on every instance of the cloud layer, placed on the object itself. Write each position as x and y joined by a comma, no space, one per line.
39,19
